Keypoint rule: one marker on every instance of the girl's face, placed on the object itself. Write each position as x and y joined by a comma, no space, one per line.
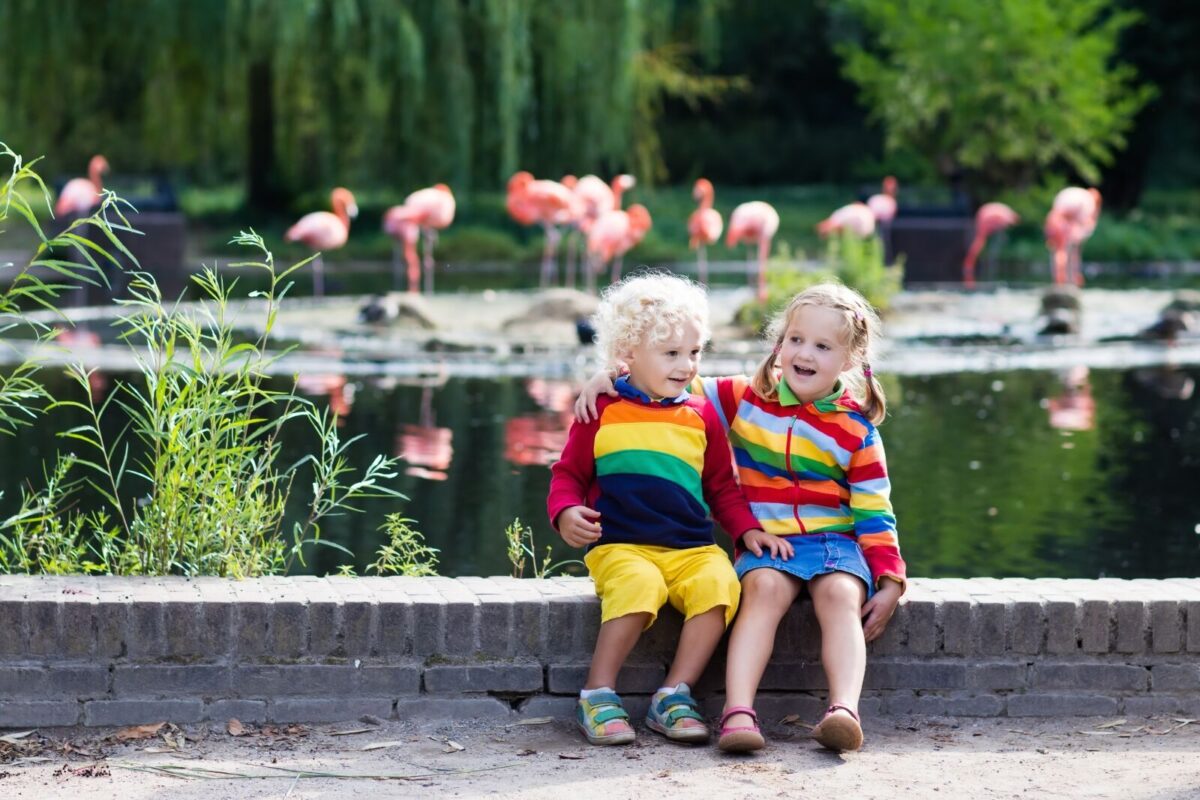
813,353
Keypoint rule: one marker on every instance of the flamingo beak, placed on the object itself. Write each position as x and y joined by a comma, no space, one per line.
352,210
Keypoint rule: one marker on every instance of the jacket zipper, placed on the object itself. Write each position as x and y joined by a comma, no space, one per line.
795,481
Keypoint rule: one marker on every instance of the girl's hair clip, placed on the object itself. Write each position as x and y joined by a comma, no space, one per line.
867,370
775,352
858,315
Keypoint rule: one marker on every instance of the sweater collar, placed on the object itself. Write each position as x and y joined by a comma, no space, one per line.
627,390
838,400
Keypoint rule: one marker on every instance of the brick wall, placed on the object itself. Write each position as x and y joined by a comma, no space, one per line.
115,651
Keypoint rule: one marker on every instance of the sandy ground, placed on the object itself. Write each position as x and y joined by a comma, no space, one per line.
989,758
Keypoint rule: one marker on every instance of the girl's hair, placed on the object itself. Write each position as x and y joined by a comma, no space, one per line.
860,328
648,308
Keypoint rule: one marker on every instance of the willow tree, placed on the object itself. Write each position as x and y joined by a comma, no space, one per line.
1001,92
296,96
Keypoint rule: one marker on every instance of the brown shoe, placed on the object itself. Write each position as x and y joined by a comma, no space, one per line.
839,732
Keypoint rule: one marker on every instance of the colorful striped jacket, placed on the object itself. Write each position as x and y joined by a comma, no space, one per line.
653,469
815,467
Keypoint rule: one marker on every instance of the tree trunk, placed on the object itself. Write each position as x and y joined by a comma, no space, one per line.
263,192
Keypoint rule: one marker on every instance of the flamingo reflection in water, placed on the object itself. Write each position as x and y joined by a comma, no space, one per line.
427,448
538,439
1074,409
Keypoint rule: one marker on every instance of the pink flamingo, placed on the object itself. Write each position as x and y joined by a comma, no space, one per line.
754,222
856,218
612,236
429,210
81,195
322,230
990,219
704,225
883,206
546,202
595,198
1071,222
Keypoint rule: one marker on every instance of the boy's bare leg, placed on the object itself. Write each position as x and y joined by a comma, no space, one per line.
613,644
837,602
700,636
767,594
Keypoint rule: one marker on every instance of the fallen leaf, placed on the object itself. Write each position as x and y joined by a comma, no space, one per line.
453,746
12,738
790,719
1098,733
351,732
381,745
535,721
139,732
526,752
571,756
235,727
1115,723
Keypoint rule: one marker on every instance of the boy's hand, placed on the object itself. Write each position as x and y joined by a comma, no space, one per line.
879,609
579,526
758,540
585,404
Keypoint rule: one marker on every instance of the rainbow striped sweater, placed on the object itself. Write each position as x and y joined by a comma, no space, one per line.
814,467
653,469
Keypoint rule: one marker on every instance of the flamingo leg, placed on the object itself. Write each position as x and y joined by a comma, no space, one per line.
702,264
591,267
616,268
414,268
319,276
572,256
549,267
397,265
764,250
429,236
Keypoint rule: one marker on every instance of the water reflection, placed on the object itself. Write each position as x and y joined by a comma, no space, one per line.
982,482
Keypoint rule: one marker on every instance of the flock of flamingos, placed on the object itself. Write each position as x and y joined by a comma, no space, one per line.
589,209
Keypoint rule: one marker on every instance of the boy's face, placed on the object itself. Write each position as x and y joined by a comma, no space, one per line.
664,369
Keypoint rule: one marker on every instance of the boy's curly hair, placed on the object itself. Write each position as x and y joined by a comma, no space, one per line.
647,308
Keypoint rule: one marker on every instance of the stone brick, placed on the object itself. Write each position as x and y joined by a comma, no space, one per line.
76,619
241,710
1187,705
1166,626
428,618
324,611
943,705
431,707
191,679
340,710
460,635
915,674
792,676
956,627
484,678
42,624
289,629
39,713
1096,626
892,640
529,633
389,680
1062,625
1026,626
181,612
496,626
144,637
251,623
988,619
564,617
1175,677
546,705
13,641
142,712
774,708
635,678
1090,677
1132,629
1003,675
1061,705
295,679
112,621
922,627
1192,614
77,681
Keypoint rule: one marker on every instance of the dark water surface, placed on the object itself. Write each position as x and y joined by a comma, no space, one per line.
1024,473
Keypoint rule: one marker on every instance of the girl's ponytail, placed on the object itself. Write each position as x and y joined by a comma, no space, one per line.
765,382
874,405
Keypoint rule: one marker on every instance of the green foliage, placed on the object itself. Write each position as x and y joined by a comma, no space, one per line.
191,483
856,262
405,552
1004,91
521,550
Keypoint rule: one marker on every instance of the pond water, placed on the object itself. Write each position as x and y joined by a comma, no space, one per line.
1018,473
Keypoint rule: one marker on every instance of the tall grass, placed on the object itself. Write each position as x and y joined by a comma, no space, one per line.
192,482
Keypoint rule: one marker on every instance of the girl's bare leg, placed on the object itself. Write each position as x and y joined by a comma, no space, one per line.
837,601
767,594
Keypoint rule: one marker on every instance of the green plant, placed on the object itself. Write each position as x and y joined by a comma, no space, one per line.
859,264
784,281
521,549
405,552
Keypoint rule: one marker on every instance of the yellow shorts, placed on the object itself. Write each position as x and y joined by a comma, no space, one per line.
634,579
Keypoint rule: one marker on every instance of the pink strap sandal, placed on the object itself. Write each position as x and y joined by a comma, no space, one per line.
837,731
740,738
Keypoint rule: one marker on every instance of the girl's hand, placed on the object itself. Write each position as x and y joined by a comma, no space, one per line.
877,611
579,526
585,404
758,540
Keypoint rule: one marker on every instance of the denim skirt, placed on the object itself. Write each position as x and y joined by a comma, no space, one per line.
815,554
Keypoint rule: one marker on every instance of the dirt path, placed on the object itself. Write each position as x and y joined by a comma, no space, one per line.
994,758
